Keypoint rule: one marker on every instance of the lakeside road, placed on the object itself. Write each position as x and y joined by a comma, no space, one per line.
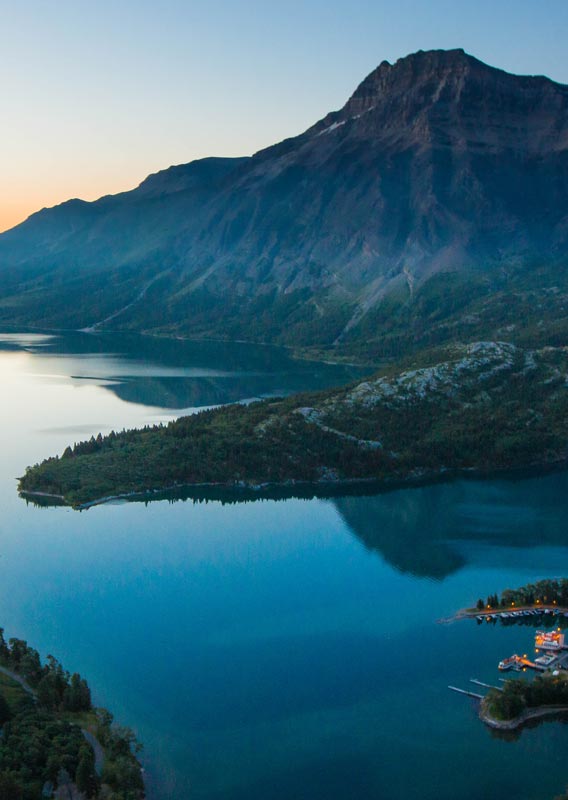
97,749
89,737
18,678
513,724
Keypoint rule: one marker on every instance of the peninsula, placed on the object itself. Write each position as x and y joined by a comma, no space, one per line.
518,701
464,409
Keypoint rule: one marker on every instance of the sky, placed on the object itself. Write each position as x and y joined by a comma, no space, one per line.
97,95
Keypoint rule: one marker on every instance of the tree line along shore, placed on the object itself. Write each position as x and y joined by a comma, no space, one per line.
480,409
518,702
53,740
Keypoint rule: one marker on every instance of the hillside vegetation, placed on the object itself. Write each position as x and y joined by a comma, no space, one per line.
480,407
518,696
47,727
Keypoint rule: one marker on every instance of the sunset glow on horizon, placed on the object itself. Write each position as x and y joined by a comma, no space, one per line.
100,95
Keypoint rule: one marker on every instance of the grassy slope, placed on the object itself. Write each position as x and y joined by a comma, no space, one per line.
486,407
527,305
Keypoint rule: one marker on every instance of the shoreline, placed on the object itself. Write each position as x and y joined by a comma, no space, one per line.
241,492
296,352
224,490
89,737
473,613
513,724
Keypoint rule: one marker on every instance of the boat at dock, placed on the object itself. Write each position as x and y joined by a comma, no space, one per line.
509,663
518,663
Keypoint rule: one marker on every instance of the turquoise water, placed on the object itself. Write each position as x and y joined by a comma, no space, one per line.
273,649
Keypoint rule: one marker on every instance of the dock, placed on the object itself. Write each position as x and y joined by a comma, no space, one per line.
519,663
466,692
512,613
485,685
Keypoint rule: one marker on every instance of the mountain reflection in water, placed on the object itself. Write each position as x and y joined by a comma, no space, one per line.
177,374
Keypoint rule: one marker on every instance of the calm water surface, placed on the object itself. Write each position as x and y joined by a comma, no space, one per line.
273,649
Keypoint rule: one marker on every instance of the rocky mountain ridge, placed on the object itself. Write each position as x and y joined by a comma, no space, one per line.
441,181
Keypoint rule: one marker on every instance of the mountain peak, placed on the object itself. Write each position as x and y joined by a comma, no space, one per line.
435,58
437,164
433,97
416,69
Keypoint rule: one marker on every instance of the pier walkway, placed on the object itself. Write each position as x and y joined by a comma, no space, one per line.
466,692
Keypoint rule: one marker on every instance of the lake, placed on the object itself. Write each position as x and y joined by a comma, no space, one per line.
275,649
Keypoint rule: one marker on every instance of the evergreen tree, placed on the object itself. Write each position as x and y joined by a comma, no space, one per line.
4,649
30,666
47,692
10,789
5,713
85,776
77,696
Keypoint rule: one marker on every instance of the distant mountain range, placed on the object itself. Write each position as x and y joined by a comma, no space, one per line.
432,207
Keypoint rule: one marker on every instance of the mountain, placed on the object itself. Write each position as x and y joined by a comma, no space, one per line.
433,206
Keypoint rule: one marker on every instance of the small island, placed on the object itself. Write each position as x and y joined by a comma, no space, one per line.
472,409
53,742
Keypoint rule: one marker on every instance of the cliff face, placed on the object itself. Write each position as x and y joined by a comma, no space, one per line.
436,165
432,163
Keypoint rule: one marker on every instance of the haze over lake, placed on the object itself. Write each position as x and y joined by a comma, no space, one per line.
271,649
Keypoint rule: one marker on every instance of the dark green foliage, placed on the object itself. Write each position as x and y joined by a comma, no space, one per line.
526,306
546,592
41,739
77,695
485,409
34,747
35,743
518,695
86,776
48,694
5,713
122,774
121,770
55,688
4,649
10,789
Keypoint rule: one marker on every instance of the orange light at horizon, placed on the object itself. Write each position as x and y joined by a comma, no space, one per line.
10,216
23,196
